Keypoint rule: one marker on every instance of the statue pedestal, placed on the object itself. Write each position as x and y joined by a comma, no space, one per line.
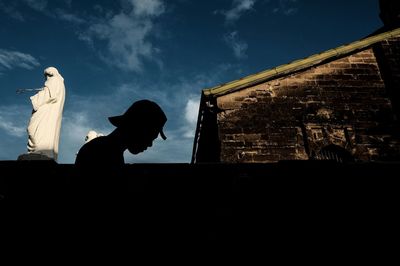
34,157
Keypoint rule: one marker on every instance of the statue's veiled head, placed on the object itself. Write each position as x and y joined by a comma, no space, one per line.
50,72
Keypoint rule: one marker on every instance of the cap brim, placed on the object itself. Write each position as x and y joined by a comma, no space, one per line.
115,120
163,135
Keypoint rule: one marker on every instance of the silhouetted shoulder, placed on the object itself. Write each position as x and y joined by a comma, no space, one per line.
100,153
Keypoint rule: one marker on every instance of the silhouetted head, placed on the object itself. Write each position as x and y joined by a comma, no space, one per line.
140,125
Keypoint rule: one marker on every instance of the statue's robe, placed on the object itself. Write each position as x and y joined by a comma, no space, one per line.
45,123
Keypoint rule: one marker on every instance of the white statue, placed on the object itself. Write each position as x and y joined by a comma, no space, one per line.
45,123
92,135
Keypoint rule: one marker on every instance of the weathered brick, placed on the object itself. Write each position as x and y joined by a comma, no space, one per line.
343,102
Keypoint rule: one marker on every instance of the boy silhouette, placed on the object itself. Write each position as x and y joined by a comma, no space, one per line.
135,130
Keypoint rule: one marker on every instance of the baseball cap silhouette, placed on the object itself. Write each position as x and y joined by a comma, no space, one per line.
143,113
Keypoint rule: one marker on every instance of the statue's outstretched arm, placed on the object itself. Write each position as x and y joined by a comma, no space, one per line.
41,98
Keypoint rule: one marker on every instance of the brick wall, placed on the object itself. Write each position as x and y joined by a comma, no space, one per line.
342,102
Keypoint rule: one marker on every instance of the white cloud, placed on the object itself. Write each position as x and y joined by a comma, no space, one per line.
126,41
13,59
11,10
69,17
191,110
238,47
38,5
286,7
126,35
10,128
11,120
147,7
68,2
191,113
239,7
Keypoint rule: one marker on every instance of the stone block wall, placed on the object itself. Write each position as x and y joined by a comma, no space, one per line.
343,103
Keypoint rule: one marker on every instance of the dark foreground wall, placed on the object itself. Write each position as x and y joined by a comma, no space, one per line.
287,202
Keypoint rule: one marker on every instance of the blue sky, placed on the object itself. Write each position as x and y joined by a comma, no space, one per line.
112,53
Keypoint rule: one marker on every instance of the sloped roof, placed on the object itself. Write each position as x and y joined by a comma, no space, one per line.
298,64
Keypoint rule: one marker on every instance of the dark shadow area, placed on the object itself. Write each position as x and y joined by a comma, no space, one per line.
291,202
389,69
334,153
389,13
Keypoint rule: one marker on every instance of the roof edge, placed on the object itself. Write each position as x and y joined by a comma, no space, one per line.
297,64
